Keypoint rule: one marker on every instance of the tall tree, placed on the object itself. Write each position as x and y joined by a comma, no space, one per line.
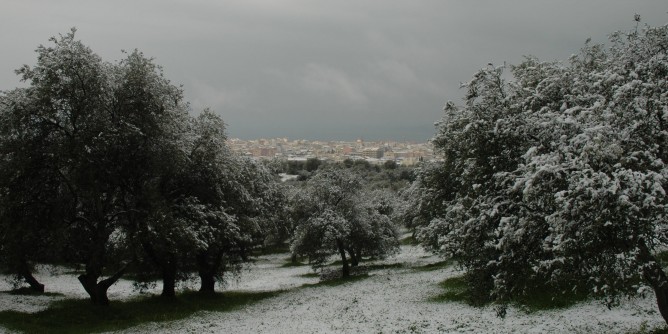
558,176
99,134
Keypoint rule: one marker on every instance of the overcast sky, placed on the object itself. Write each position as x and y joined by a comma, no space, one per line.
312,69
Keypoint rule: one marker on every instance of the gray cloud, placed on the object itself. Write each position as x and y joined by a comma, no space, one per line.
321,69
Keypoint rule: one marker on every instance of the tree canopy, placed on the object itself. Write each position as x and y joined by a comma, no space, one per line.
102,165
555,175
334,215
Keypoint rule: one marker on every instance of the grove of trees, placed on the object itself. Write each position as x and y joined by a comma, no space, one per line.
103,167
555,176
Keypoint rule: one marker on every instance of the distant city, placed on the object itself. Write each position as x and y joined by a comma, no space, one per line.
375,152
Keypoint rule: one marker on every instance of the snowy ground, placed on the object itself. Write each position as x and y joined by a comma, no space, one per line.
390,301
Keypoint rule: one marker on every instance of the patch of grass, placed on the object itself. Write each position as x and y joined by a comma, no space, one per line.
537,299
435,266
26,291
310,275
338,281
383,266
288,263
339,263
645,330
546,298
79,316
455,290
142,277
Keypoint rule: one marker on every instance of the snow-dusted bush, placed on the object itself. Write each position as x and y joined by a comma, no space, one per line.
556,176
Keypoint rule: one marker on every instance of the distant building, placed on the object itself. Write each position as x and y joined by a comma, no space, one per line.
373,152
266,152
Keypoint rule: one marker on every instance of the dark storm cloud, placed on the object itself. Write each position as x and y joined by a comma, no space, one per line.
321,69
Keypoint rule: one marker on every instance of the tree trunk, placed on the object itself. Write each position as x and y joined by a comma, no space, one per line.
662,301
243,252
354,260
658,281
293,258
26,274
342,251
656,278
168,269
97,296
207,273
168,283
208,283
98,290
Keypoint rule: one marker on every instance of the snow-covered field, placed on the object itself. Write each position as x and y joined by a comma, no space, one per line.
392,300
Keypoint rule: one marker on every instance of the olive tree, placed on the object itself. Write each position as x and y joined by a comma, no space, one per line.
556,176
333,217
97,134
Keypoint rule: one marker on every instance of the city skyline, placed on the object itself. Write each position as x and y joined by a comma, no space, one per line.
375,152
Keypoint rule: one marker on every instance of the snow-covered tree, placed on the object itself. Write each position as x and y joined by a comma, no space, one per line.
68,99
208,212
556,177
31,199
106,155
98,133
334,217
245,195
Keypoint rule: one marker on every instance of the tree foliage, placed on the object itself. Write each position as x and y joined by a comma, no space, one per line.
556,177
103,166
334,215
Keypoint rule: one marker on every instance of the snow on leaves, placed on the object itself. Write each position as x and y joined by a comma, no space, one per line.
557,175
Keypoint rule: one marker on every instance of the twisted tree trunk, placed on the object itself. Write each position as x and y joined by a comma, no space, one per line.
98,290
659,283
656,277
25,272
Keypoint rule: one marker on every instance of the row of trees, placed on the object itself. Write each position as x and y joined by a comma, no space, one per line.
389,175
102,167
556,177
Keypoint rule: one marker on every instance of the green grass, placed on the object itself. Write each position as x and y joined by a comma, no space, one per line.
540,299
338,281
644,330
79,316
25,291
339,263
455,289
435,266
310,275
383,266
288,263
